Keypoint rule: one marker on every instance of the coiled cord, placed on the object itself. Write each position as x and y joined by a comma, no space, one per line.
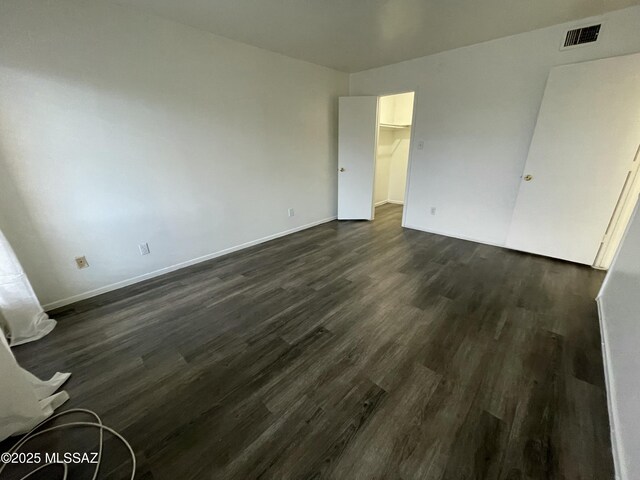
34,432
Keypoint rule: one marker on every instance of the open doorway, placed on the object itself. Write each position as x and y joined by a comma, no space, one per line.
395,115
374,133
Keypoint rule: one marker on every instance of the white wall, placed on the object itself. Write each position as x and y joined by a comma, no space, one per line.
118,128
619,303
387,109
403,108
476,111
396,109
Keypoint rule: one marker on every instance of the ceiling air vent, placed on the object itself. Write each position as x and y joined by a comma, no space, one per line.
579,36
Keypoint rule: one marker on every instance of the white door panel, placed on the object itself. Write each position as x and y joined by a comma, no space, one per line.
585,139
357,140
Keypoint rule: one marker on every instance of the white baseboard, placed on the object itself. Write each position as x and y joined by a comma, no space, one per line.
461,237
608,380
177,266
383,202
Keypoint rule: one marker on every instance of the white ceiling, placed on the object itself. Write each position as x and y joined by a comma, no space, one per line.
355,35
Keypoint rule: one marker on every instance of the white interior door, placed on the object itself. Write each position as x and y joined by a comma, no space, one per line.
585,139
357,139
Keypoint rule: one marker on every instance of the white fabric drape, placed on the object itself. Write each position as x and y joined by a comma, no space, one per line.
20,311
25,400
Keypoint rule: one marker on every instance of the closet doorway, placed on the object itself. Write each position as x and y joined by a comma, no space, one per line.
395,116
374,135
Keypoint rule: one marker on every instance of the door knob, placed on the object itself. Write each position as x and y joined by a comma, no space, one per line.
528,178
342,169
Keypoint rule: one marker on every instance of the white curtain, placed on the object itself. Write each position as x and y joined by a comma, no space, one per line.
25,400
20,311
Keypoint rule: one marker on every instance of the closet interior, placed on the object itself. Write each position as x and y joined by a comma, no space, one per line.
395,113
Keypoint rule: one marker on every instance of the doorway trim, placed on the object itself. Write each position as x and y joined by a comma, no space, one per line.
620,217
411,146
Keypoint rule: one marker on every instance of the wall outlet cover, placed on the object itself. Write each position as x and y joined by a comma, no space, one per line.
144,249
291,212
81,262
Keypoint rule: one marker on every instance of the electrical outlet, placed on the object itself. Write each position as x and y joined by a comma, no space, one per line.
144,249
433,210
421,145
81,262
291,212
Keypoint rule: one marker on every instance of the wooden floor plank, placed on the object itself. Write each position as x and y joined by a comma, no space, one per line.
352,350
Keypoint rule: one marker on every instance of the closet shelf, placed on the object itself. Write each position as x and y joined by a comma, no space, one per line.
389,125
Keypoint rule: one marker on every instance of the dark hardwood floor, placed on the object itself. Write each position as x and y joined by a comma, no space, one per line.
352,350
